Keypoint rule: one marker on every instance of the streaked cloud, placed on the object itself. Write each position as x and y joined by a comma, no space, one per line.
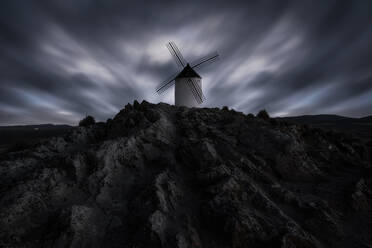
61,60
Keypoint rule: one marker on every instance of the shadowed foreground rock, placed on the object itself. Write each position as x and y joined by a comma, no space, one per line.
165,176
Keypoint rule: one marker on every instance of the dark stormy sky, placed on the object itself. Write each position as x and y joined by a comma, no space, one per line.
61,59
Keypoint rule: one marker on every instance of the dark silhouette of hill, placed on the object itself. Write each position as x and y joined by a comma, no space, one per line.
29,134
359,127
167,176
366,119
307,119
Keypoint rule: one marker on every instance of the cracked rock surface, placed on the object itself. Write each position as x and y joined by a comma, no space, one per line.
166,176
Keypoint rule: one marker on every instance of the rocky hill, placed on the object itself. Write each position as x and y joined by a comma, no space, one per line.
358,127
166,176
14,137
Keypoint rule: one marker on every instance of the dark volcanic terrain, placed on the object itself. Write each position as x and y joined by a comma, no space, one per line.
166,176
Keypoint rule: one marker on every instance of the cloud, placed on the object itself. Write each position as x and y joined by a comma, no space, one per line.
64,59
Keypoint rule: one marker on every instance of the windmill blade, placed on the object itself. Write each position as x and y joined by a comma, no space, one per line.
162,89
178,58
178,53
166,84
198,89
206,60
193,91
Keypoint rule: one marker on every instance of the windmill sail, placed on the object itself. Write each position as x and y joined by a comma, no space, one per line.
178,53
198,89
178,58
206,60
194,91
166,84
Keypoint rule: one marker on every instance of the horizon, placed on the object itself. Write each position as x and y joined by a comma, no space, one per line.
76,124
61,60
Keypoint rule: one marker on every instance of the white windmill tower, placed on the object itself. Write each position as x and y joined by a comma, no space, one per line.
188,84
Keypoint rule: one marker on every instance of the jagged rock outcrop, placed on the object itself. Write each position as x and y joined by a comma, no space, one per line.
166,176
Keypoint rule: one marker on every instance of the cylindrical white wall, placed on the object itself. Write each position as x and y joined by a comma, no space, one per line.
183,94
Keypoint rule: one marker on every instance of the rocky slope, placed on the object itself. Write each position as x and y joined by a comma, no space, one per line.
165,176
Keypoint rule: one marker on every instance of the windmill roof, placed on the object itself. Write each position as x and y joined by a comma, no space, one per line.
188,72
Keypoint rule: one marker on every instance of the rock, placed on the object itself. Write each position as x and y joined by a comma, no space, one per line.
136,104
166,176
362,196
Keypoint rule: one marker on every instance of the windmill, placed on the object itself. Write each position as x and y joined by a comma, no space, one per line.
188,84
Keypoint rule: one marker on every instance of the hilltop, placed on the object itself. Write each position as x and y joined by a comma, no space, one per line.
167,176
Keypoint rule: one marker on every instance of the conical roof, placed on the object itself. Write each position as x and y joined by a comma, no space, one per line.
188,72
